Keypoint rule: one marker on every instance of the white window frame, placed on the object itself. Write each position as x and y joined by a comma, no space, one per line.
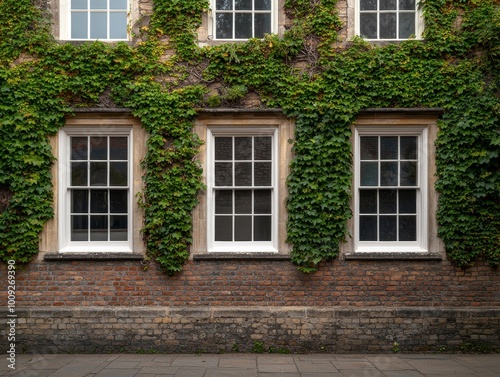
212,25
238,246
65,243
421,243
65,23
419,23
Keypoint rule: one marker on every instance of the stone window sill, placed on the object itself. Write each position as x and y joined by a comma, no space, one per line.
55,257
393,256
241,256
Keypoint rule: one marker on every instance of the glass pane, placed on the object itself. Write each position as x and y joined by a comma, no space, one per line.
369,148
408,173
243,4
262,173
388,4
78,148
368,228
242,201
407,228
262,201
368,4
98,27
79,201
98,148
78,4
118,228
263,4
98,173
369,173
79,29
224,26
79,228
223,228
262,24
262,147
388,173
368,25
118,4
406,25
409,148
388,201
118,148
223,174
224,4
224,201
223,148
99,228
99,201
389,148
118,201
367,201
262,228
387,25
243,173
243,228
79,174
388,231
243,26
118,173
98,4
406,4
243,148
118,25
407,201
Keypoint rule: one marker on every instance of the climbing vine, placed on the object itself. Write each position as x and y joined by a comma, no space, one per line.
316,78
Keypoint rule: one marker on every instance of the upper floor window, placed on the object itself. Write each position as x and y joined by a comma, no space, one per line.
388,19
94,19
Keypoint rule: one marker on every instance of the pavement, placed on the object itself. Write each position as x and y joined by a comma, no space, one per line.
253,365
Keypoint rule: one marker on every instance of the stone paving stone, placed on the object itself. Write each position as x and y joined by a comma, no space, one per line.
109,372
190,372
310,367
439,366
481,361
230,372
402,373
245,362
321,374
366,372
266,367
122,364
159,370
275,359
202,361
352,364
265,374
79,367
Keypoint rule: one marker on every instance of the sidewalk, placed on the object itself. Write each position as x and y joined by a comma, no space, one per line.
253,365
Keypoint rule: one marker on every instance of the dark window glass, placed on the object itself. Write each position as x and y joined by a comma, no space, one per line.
223,174
224,4
262,228
118,148
79,201
388,4
388,173
242,201
262,148
406,4
368,228
369,148
263,4
368,201
99,201
408,173
368,25
99,228
406,25
243,148
79,174
118,175
224,28
263,173
98,173
409,148
369,173
243,25
407,228
118,201
388,26
98,148
388,228
243,228
243,4
262,24
243,173
223,148
118,228
224,201
368,4
79,148
79,228
388,201
223,228
389,148
407,201
262,201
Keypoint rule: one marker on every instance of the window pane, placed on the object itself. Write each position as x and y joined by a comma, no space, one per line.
242,201
98,173
223,174
78,148
79,201
243,173
388,173
243,4
118,201
262,172
368,25
224,26
224,201
406,25
388,201
388,230
224,4
407,201
98,4
368,4
243,25
262,147
98,25
263,4
367,201
118,148
389,148
79,228
78,4
369,173
79,29
223,228
262,201
118,228
262,228
243,228
223,148
262,24
98,148
409,148
79,174
99,228
408,173
243,148
369,147
118,25
99,201
118,174
368,228
117,4
388,26
388,4
406,4
407,228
